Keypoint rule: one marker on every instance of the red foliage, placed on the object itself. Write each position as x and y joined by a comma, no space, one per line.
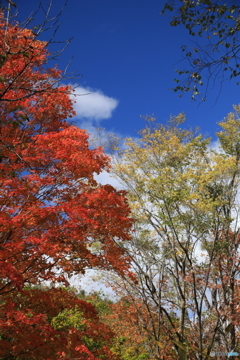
27,330
51,208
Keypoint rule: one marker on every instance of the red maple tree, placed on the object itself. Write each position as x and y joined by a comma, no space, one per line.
52,209
52,324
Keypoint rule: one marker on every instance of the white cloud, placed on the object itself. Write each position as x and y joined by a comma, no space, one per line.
93,104
92,280
106,178
215,146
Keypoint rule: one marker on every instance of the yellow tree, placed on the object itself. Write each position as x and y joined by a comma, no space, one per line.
185,248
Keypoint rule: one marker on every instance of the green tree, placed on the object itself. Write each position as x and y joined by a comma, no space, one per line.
128,343
215,53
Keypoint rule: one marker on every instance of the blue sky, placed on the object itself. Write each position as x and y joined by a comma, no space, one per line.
127,54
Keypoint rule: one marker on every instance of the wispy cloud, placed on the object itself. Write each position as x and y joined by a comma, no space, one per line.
93,104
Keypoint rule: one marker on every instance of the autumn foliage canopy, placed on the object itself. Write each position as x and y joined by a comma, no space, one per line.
52,209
